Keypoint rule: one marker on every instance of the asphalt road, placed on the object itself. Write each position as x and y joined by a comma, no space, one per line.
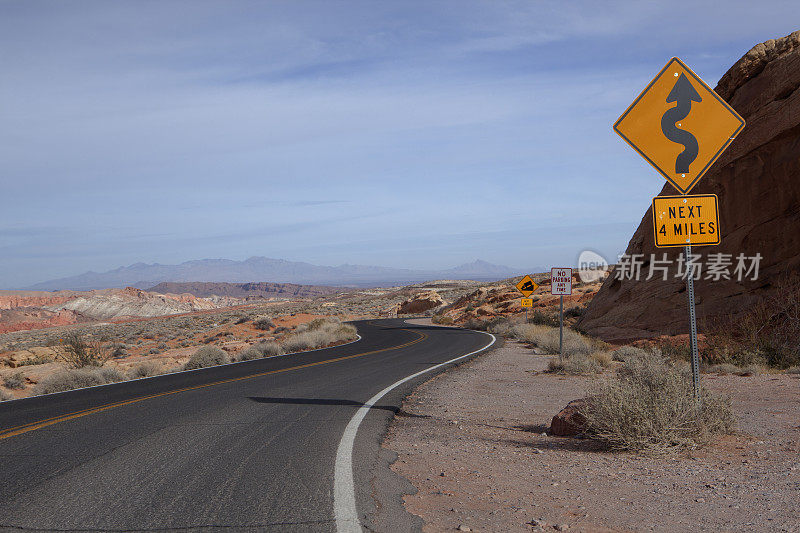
243,447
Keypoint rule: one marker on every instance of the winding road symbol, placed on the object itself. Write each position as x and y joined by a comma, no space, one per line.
679,125
684,94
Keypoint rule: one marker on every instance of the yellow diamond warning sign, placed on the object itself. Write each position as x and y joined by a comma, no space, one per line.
679,125
686,220
526,286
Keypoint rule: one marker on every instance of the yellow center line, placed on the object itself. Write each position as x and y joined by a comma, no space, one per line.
32,426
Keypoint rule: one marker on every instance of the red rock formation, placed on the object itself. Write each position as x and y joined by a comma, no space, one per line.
421,303
15,299
22,319
758,183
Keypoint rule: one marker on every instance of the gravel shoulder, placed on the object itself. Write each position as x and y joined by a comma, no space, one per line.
478,457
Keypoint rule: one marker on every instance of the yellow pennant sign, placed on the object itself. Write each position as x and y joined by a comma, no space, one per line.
526,286
526,302
679,125
686,220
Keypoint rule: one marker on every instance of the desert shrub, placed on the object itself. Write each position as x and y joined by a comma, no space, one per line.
269,348
249,353
623,353
14,381
110,375
443,320
793,370
77,378
649,406
206,356
673,350
118,349
242,320
36,360
80,353
145,369
574,312
281,329
263,323
5,396
543,319
154,351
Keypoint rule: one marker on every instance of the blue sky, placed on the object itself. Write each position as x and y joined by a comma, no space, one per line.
409,134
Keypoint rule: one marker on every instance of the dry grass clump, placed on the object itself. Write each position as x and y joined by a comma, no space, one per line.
206,356
576,365
14,381
623,353
318,333
547,338
793,370
269,349
145,370
602,358
649,407
248,354
4,396
581,355
77,378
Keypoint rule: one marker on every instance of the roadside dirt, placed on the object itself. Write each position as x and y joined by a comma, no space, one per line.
480,461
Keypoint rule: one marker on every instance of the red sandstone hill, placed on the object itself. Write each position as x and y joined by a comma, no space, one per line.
757,181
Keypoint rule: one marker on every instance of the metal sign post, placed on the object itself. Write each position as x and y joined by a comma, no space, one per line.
526,287
561,328
560,285
687,254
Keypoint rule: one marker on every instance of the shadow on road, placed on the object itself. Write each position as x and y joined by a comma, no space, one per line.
317,401
331,401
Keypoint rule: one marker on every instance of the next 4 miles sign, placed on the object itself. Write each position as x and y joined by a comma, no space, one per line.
686,220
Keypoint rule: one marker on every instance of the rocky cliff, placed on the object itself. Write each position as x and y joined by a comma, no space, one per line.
758,183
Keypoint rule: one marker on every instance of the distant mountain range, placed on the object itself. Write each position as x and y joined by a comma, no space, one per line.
258,269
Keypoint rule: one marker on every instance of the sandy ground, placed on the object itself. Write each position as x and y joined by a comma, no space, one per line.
480,461
171,357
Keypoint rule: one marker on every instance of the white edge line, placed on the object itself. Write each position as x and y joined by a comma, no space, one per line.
4,402
344,496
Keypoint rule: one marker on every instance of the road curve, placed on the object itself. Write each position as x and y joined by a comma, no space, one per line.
243,447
